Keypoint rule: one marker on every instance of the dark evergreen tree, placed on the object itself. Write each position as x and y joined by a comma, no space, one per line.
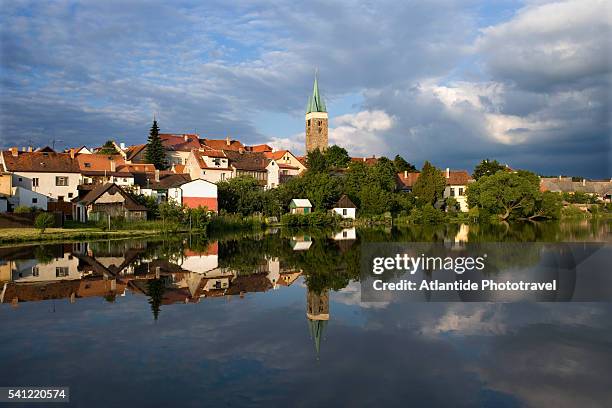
429,187
487,168
155,290
155,150
402,165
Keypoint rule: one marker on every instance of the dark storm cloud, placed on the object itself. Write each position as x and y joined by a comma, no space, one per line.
531,83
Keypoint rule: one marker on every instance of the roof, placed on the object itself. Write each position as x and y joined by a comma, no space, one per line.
99,162
199,157
345,202
568,186
222,144
43,162
180,142
455,178
178,168
112,189
257,282
370,161
166,180
315,102
133,151
260,148
277,155
301,202
249,161
287,166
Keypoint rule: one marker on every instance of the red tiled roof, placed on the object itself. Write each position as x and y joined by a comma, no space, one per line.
261,148
184,142
199,156
222,144
277,155
287,166
43,162
99,162
132,151
367,160
112,188
455,178
249,161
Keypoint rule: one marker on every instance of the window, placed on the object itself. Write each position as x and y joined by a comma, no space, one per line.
61,181
60,198
35,271
344,211
460,191
344,233
61,271
222,176
88,165
308,122
34,200
319,123
217,162
35,182
452,192
69,195
20,178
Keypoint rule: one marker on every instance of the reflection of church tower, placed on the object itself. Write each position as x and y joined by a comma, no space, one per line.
317,312
316,120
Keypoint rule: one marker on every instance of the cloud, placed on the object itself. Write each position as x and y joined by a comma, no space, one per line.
361,133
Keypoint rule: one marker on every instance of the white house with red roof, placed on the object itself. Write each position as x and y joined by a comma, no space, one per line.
208,164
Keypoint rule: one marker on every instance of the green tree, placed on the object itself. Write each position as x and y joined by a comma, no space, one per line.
108,148
316,161
402,165
155,150
240,195
155,290
374,199
429,187
337,157
383,174
513,195
43,221
486,168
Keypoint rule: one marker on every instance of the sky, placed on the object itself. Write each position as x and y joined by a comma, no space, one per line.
525,82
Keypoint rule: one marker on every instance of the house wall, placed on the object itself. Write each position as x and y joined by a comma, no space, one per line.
350,212
3,204
291,160
177,157
461,198
47,184
273,175
25,197
301,210
346,234
213,175
200,263
63,268
6,183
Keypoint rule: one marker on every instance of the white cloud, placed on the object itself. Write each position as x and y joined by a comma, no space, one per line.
362,133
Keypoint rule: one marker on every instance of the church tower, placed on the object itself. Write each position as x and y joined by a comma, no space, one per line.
316,120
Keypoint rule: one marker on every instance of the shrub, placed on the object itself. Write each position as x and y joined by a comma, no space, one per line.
43,221
22,209
315,219
573,212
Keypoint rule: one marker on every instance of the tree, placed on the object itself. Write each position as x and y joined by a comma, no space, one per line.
155,150
402,165
383,173
316,161
240,195
43,221
108,148
429,187
486,168
155,290
337,157
374,200
513,195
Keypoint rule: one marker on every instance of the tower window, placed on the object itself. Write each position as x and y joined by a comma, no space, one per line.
319,123
308,122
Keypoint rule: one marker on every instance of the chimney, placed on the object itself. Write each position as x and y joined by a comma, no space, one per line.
23,149
14,151
72,153
405,173
157,175
583,182
447,172
30,149
113,165
559,177
227,140
364,159
186,137
122,146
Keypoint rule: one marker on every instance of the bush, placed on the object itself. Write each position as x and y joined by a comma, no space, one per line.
22,209
573,212
315,219
43,221
427,214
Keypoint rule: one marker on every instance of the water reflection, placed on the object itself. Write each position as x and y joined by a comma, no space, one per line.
297,325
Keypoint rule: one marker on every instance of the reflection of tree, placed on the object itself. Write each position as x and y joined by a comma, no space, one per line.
155,290
44,254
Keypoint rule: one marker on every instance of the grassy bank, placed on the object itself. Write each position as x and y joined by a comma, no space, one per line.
21,235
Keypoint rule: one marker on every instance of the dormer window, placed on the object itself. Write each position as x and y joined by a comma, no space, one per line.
88,165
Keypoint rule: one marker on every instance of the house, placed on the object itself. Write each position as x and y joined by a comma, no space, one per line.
301,242
369,161
260,148
249,164
55,175
102,169
108,200
195,193
208,164
157,183
345,207
22,197
456,184
300,206
282,166
601,189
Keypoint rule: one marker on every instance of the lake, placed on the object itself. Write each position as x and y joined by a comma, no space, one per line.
276,319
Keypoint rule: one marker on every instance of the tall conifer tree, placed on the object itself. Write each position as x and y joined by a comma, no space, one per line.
155,149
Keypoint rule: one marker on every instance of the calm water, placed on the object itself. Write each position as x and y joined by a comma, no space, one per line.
276,320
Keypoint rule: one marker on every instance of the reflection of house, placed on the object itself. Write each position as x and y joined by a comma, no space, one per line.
31,270
109,200
201,261
346,234
345,207
300,206
301,243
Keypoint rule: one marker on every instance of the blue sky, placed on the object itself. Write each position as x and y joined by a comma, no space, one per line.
526,82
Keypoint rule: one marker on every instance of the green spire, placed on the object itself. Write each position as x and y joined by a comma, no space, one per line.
315,102
316,328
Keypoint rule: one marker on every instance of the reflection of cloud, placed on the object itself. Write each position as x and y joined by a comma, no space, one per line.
351,295
465,320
